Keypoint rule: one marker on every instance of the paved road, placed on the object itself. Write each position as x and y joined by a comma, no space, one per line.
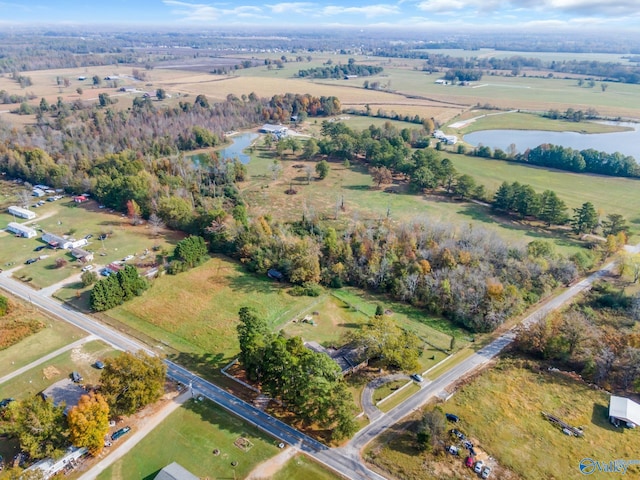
366,399
481,357
347,466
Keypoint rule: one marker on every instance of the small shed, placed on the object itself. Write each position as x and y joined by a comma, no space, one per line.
80,199
175,471
82,255
624,410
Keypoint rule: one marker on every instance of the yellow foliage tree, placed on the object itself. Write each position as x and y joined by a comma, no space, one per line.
89,422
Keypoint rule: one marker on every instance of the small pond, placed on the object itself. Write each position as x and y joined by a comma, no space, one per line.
236,150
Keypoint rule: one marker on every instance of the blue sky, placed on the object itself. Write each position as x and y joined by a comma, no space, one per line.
533,14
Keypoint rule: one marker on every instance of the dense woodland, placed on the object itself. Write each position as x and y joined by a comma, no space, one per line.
340,71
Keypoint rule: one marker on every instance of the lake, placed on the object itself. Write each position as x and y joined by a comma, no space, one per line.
627,143
235,150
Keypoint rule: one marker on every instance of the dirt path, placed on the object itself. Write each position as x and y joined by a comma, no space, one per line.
48,357
269,468
145,428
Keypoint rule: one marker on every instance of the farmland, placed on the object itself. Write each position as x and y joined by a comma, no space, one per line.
196,430
500,412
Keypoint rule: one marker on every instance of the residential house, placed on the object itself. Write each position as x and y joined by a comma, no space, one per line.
21,230
175,471
22,212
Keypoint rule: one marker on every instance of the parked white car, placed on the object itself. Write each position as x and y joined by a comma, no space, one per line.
86,268
478,467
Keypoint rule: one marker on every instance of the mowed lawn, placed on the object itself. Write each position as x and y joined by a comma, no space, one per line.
64,217
56,334
79,359
197,311
302,467
609,194
500,411
189,436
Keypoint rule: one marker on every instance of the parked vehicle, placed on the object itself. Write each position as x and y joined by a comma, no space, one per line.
417,377
118,433
486,472
39,247
453,450
478,467
458,433
452,418
127,258
102,236
99,365
469,461
76,377
86,268
5,402
87,237
31,260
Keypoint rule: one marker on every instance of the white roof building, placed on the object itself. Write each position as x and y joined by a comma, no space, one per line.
49,467
625,410
22,230
274,129
22,212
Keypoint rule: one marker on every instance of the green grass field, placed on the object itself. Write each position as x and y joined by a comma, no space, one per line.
608,194
500,412
55,335
302,467
189,436
65,217
197,311
363,201
37,379
527,121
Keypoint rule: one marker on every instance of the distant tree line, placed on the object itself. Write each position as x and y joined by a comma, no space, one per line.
587,161
340,70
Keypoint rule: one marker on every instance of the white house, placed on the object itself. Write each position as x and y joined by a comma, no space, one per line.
22,212
278,130
448,139
22,230
38,192
50,467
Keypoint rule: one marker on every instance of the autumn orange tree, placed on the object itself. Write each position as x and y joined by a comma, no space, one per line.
89,422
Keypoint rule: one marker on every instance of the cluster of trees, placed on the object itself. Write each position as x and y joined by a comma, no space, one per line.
189,253
310,384
467,75
385,340
526,202
128,383
595,337
340,70
571,114
588,161
117,288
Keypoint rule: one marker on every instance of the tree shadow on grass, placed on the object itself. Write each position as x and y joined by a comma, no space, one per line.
357,187
204,364
251,283
600,418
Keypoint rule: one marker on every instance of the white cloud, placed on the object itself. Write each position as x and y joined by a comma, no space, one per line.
201,12
368,11
292,7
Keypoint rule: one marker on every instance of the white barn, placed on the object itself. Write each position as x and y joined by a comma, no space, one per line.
22,212
624,410
22,230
